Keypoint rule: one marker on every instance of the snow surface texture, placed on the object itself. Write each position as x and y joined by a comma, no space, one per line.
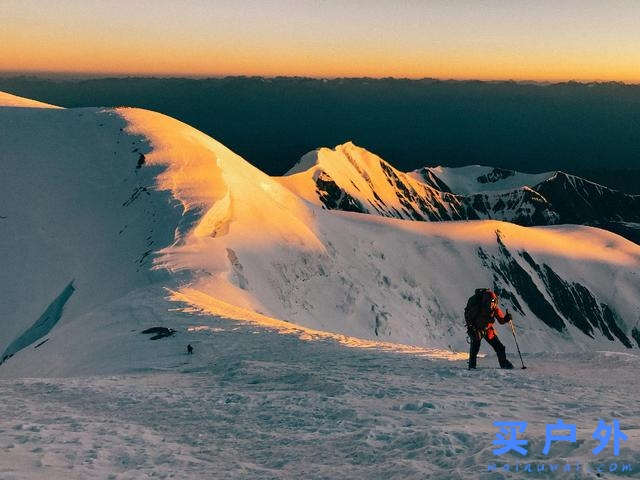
328,344
252,403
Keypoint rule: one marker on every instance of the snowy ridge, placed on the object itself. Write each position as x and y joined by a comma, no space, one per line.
580,201
160,207
9,100
523,206
561,197
479,179
353,179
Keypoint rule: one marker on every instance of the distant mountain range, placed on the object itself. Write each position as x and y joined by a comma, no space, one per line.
351,178
590,130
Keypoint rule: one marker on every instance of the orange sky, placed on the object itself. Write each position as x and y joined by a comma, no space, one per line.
536,40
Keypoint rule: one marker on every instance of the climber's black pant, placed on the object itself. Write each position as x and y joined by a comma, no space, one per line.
495,342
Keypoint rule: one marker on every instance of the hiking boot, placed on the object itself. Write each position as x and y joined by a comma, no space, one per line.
507,365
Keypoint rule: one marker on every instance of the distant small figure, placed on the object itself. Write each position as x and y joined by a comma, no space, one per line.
189,349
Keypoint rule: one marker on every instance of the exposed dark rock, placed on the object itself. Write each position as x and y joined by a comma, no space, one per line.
507,295
511,271
577,305
610,319
41,343
495,175
141,160
635,333
334,198
583,202
134,196
525,255
562,198
155,330
571,299
160,332
523,206
433,181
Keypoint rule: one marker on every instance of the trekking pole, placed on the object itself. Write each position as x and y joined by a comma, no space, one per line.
513,330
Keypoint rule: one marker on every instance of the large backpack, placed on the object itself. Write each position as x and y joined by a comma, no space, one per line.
473,310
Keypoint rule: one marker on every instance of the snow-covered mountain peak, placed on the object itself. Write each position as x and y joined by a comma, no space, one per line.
352,178
325,156
215,186
126,203
342,157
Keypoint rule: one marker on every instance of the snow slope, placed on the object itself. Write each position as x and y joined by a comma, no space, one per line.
74,206
126,200
327,344
474,179
9,100
284,258
252,403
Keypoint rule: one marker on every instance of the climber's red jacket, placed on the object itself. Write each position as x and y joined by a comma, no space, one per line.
492,313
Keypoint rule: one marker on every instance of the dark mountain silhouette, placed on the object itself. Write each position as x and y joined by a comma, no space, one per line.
590,130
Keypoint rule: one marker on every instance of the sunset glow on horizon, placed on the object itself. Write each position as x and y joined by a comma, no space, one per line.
487,40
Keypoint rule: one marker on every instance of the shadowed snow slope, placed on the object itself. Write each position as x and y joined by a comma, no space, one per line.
74,205
134,204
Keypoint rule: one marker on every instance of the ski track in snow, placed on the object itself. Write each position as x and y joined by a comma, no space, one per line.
254,403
